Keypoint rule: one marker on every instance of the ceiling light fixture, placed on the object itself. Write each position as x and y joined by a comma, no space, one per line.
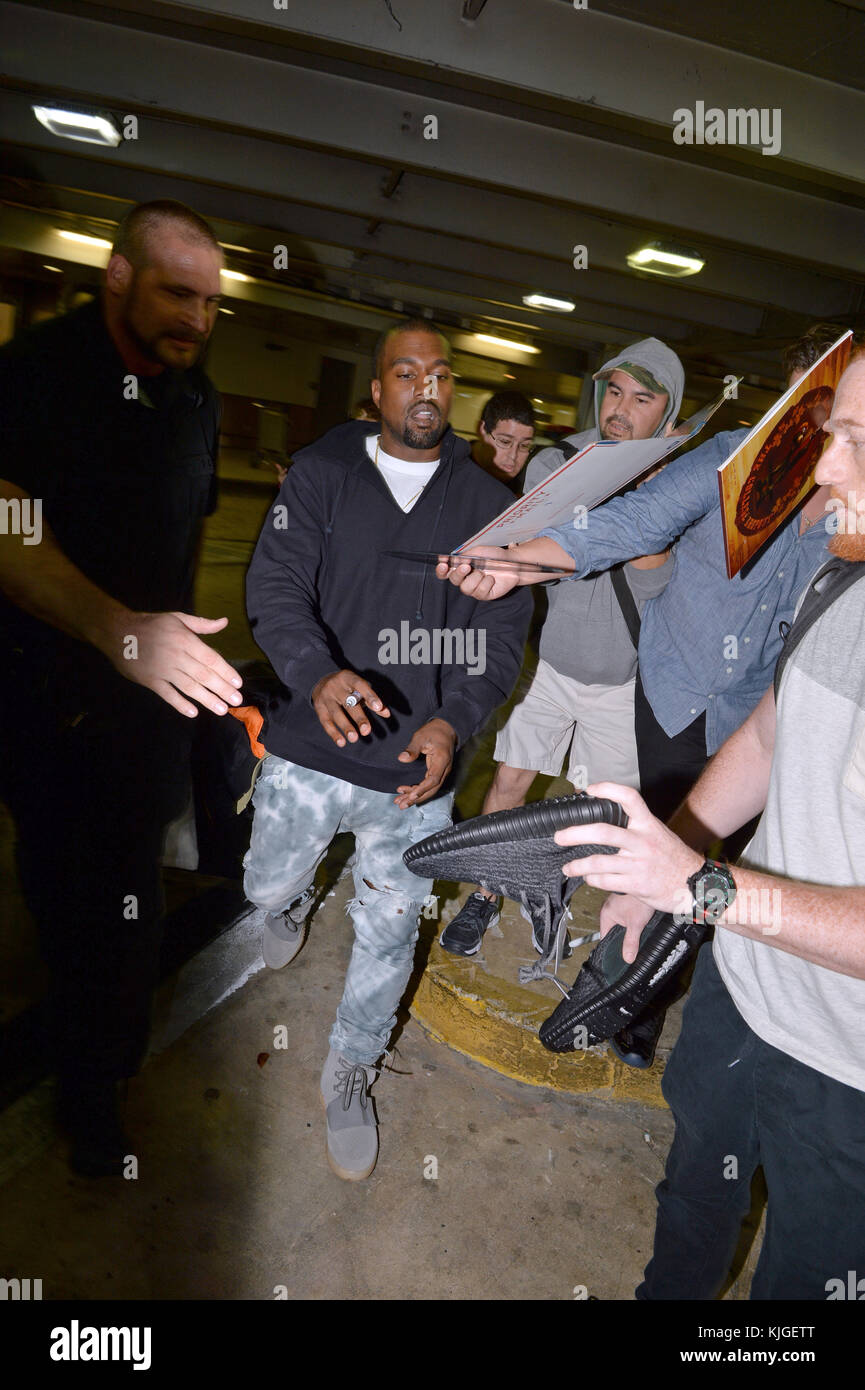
83,238
234,275
545,301
225,311
56,268
660,258
505,342
78,125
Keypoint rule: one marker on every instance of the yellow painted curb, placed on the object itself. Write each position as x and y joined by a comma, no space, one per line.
496,1023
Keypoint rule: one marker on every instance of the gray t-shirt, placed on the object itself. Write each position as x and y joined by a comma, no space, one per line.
812,830
585,635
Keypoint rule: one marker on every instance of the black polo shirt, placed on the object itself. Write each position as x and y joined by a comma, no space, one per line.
125,471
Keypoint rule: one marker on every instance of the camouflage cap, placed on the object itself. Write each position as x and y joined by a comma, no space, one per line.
640,374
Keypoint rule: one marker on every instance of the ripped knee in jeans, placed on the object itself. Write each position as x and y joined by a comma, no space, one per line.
407,904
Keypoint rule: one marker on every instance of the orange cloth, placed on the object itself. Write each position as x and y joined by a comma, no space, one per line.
253,719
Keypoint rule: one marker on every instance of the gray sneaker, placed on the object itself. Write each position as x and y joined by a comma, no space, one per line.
284,932
352,1133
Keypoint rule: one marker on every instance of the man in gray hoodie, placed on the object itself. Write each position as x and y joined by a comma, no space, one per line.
582,693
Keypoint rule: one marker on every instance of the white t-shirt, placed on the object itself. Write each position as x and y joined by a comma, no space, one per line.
405,478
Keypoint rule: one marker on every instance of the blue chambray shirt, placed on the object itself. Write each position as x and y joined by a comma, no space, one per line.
707,642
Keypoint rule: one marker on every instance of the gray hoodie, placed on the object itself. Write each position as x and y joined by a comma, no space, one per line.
584,634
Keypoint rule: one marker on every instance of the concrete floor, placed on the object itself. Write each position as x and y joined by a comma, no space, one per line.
536,1193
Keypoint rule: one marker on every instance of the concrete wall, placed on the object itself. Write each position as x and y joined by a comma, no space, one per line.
239,361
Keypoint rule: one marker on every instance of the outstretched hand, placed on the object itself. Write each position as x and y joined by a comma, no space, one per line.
163,652
435,741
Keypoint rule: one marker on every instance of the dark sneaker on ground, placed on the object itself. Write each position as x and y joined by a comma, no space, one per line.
463,936
635,1045
352,1132
283,933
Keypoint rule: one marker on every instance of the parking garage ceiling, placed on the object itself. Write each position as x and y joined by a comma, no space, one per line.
307,126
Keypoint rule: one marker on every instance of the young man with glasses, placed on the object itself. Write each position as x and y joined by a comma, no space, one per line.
507,435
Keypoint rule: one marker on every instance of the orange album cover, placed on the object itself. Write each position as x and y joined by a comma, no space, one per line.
772,471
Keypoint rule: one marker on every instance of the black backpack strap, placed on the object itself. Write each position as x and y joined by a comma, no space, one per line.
828,584
567,451
630,611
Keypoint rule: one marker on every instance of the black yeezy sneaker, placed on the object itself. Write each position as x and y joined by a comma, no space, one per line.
608,995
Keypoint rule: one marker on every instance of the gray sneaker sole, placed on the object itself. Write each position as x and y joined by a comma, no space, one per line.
347,1174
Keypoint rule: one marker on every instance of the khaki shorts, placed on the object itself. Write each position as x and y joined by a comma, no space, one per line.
596,720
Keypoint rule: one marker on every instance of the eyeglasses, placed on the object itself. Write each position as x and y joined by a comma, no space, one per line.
511,446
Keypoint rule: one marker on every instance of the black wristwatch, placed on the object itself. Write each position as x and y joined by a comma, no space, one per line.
713,889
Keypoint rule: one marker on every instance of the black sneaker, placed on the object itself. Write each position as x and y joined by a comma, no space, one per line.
463,936
609,995
635,1045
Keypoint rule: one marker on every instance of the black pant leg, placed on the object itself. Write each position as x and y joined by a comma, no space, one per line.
812,1147
705,1194
91,803
669,767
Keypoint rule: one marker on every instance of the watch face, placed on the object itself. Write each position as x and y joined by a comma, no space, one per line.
785,461
712,893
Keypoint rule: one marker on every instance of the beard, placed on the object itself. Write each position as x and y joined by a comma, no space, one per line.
847,547
423,437
848,542
150,344
625,425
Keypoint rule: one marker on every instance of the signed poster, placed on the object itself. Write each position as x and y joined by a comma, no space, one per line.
772,471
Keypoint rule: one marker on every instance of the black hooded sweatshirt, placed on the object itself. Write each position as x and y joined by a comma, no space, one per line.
323,596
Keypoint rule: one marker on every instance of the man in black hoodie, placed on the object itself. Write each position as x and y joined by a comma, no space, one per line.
381,668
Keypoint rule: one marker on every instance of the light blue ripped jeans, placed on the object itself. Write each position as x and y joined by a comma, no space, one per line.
297,814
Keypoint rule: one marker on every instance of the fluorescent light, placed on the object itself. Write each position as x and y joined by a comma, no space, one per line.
234,275
658,259
505,342
544,301
83,238
229,246
56,268
76,125
225,311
